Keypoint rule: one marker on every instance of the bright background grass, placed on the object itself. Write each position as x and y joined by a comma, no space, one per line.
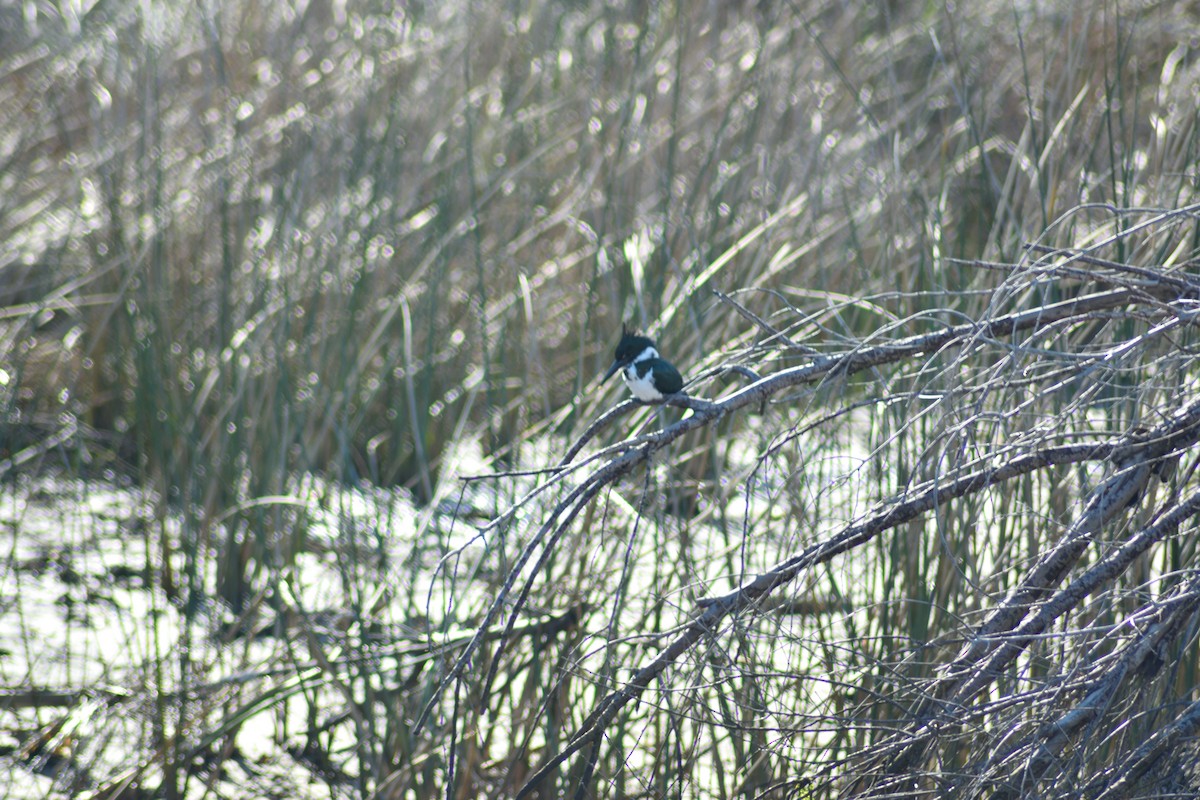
255,239
242,244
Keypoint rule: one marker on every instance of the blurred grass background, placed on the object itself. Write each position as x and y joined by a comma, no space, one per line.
244,242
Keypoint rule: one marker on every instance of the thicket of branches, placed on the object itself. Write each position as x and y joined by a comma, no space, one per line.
995,596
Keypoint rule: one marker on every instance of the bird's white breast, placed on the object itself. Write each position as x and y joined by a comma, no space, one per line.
642,386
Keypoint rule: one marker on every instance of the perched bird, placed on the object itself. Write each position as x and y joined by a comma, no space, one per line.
647,375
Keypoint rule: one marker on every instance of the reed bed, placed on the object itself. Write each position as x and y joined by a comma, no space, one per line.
302,312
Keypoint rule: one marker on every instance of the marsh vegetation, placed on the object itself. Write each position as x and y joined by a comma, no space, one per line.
309,488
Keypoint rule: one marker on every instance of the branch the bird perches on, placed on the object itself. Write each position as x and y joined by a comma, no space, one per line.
996,642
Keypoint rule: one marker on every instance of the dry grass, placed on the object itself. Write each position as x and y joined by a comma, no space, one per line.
243,245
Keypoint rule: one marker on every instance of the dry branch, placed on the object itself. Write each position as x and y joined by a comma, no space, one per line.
1138,461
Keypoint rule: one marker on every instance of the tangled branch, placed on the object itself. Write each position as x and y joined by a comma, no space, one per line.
1166,302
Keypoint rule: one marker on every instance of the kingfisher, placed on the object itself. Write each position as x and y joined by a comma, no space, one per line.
647,375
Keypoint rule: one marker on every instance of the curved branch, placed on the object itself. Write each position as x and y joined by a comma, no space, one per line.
1113,496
